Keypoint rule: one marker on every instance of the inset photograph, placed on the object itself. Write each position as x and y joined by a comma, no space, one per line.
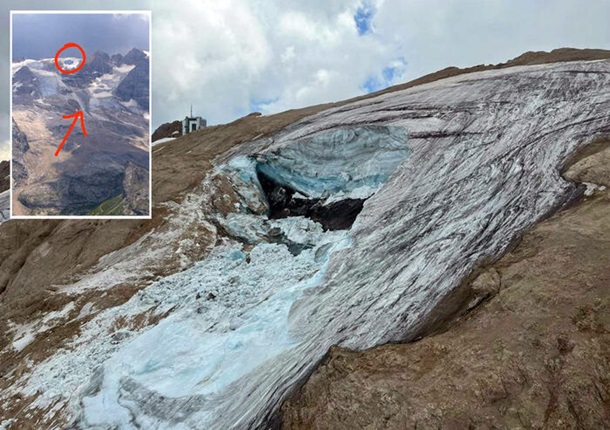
80,108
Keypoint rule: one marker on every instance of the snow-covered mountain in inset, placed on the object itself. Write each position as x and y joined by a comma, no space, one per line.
90,175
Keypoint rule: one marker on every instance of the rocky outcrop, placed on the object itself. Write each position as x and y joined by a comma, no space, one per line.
96,66
529,348
135,86
5,183
4,206
20,148
135,190
117,59
135,57
25,85
169,129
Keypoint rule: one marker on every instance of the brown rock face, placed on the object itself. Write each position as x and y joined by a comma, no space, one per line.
167,130
534,355
135,184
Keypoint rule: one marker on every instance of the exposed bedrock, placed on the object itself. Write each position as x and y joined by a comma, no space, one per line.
100,64
80,190
169,129
5,178
24,85
285,202
135,189
135,86
20,147
4,206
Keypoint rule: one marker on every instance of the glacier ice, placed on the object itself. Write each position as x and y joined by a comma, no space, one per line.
325,177
339,160
228,317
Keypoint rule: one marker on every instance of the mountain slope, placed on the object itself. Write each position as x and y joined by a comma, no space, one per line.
502,132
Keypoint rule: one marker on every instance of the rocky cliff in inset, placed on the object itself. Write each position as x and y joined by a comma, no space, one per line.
5,183
135,86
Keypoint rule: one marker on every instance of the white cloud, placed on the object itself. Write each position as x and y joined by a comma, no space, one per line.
4,142
233,56
269,55
207,53
274,55
437,33
4,150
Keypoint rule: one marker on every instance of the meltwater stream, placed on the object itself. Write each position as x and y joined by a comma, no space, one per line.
475,162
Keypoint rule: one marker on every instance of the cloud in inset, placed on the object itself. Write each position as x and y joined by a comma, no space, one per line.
37,36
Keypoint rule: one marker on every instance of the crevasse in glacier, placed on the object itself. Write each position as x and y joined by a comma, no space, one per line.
326,178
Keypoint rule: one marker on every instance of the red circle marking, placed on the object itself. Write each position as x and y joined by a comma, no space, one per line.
67,46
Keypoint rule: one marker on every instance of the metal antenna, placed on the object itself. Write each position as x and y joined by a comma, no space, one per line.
191,110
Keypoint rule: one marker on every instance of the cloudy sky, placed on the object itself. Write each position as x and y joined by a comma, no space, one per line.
37,36
232,57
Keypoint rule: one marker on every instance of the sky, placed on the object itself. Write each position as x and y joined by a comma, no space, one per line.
37,36
232,57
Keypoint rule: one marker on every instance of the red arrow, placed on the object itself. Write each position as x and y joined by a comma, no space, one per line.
76,116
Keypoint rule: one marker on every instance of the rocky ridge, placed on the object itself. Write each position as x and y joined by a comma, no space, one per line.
5,180
5,183
169,129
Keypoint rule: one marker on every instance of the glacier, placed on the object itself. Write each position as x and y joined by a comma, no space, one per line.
450,173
